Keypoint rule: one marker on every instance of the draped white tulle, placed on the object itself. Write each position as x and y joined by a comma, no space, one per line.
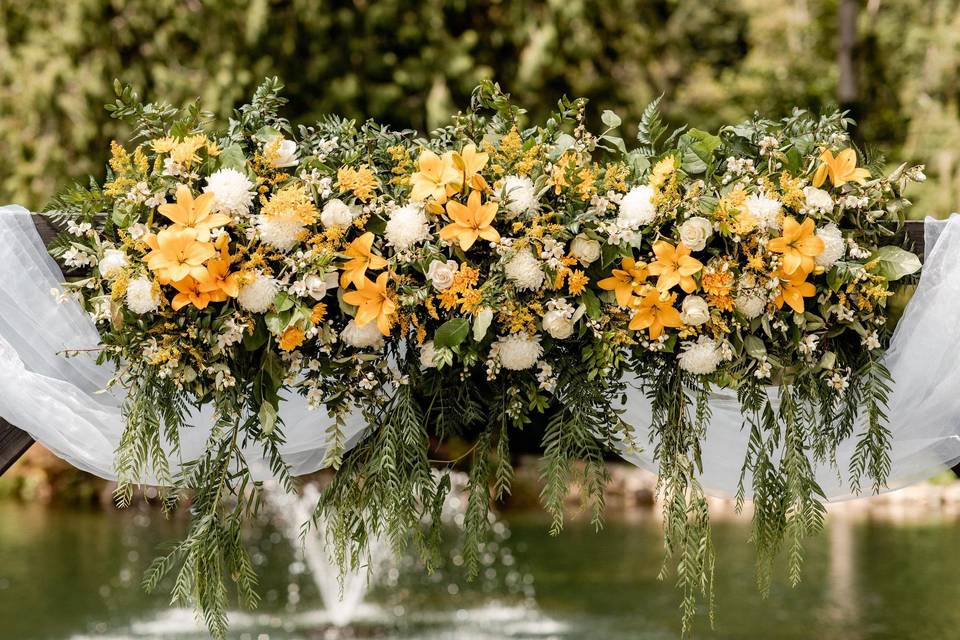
61,403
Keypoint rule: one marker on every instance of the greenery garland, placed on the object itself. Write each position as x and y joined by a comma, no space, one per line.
494,276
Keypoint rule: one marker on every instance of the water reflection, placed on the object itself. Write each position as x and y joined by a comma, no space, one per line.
74,575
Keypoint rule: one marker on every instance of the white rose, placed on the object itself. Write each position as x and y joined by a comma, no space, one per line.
818,199
286,154
317,287
557,324
637,208
336,213
427,353
441,273
362,337
585,249
694,311
695,232
114,261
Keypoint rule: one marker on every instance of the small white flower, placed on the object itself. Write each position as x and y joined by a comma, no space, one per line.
362,337
114,261
137,231
317,287
700,357
336,213
585,249
637,208
695,232
519,195
232,192
871,341
839,381
818,199
763,370
518,351
257,296
406,227
694,311
76,259
766,211
441,273
524,271
141,297
287,155
427,353
558,324
809,345
833,246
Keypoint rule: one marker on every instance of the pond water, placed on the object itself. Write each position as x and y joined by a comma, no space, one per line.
73,575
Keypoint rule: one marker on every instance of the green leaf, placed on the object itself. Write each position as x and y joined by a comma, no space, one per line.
232,158
256,339
268,417
610,119
754,347
590,300
894,263
451,333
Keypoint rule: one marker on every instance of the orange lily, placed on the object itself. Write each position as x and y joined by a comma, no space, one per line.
799,245
189,293
374,302
361,259
177,254
654,312
469,162
675,266
190,213
625,281
793,289
841,170
219,282
470,222
433,177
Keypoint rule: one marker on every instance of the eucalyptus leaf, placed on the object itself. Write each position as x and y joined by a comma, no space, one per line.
451,333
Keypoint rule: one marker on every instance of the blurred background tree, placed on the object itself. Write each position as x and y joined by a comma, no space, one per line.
414,63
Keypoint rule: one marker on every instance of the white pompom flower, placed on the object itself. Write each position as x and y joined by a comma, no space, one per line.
700,357
817,199
281,232
142,297
518,351
766,211
637,208
524,271
113,262
362,336
833,246
406,227
520,195
257,296
750,299
232,191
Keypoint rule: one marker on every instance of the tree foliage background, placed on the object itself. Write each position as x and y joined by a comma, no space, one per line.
413,63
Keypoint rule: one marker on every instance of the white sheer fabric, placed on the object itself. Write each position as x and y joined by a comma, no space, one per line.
924,412
60,402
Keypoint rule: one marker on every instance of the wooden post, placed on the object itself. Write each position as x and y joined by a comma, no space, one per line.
15,442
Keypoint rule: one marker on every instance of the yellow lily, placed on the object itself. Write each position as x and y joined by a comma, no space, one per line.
470,222
626,280
655,311
434,178
841,170
190,213
374,303
793,289
177,254
799,245
675,266
469,162
361,259
189,293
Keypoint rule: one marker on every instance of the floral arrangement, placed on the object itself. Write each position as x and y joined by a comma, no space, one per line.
496,275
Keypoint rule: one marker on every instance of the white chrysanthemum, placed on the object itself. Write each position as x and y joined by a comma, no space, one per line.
406,227
700,357
232,192
766,211
141,297
750,302
257,296
519,195
518,351
637,208
427,352
524,270
113,262
362,337
833,246
817,199
336,213
280,232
